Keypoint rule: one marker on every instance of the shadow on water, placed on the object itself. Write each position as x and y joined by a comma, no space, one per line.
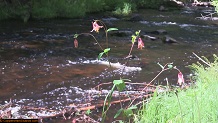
41,68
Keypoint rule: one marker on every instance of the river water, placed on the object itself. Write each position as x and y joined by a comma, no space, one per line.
40,67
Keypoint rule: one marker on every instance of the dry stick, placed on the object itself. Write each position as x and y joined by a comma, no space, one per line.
33,108
113,102
150,85
201,59
211,15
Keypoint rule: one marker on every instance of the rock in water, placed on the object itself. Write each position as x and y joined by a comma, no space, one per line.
167,39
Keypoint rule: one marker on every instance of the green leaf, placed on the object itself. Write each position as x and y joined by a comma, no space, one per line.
75,35
137,32
133,107
107,50
100,55
133,39
88,112
170,66
112,29
119,84
128,112
118,113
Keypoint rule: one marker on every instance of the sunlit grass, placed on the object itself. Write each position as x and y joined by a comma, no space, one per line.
197,104
125,10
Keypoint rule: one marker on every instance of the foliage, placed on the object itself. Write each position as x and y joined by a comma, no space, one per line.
154,4
18,10
40,9
4,14
194,105
215,3
125,10
120,85
58,8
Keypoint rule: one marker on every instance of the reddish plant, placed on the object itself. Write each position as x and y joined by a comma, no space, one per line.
96,27
75,43
140,43
180,79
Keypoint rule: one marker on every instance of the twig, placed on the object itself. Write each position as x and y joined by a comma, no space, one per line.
202,59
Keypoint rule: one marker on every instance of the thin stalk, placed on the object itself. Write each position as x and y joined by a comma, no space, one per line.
107,104
105,29
106,36
131,49
93,38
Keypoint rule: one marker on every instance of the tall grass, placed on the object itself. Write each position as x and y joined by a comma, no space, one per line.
197,104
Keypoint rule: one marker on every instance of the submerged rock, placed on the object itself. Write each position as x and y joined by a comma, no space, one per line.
159,32
148,37
162,8
168,39
121,33
136,17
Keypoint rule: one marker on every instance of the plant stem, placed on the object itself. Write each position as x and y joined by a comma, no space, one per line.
94,39
131,49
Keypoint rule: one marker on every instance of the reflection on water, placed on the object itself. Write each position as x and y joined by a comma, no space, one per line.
39,65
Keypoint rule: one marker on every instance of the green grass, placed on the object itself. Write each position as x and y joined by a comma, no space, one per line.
197,104
57,8
45,9
125,10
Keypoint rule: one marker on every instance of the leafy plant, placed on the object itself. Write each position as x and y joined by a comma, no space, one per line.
125,10
120,85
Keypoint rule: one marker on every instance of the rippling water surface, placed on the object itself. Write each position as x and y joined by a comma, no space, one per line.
40,67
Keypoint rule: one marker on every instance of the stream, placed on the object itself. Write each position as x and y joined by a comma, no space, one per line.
40,67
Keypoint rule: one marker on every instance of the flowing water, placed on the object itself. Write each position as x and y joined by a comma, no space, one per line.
40,67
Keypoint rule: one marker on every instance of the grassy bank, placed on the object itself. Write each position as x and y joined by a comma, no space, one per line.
198,104
44,9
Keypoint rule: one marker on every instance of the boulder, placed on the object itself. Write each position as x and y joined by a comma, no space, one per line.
173,4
